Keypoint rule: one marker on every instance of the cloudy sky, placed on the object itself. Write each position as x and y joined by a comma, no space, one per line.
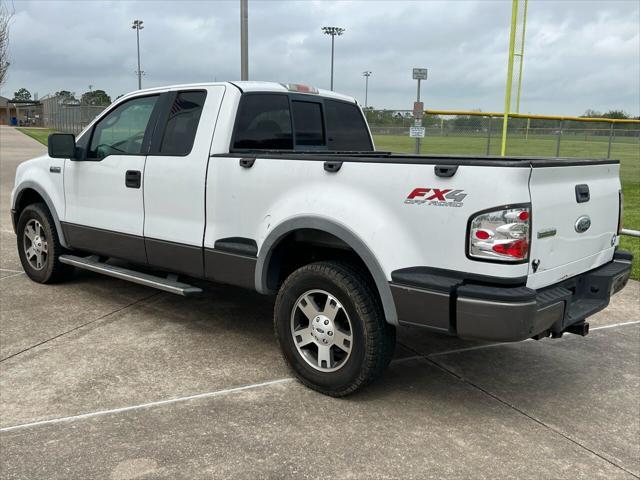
579,54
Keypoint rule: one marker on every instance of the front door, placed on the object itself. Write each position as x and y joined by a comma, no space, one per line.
104,191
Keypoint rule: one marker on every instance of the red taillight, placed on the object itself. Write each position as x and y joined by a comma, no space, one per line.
517,249
524,215
482,234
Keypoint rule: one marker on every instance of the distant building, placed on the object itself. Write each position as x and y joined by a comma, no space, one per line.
20,112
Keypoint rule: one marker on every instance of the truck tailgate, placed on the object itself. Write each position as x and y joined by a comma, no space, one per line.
569,236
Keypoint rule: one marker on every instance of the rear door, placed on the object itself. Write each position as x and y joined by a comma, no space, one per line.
175,180
574,220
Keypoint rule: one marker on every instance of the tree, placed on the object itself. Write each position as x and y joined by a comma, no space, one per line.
617,114
96,97
66,97
22,94
590,113
5,20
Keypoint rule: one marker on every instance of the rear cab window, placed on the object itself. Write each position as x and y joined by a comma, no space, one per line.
280,121
181,123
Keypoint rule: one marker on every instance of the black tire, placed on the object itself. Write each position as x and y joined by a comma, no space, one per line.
52,270
373,338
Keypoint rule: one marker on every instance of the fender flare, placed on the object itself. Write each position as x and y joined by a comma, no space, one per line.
28,184
340,231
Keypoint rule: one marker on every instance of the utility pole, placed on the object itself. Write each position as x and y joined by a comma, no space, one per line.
244,40
366,76
333,31
137,26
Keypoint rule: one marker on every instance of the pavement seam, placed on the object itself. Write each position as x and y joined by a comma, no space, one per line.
215,393
136,302
12,275
520,411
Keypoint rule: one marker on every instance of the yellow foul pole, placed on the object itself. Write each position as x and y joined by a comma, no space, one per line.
521,54
507,94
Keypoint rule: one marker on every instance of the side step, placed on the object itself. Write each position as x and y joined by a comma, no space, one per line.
165,284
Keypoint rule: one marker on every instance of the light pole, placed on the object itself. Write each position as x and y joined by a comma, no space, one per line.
366,76
137,26
244,40
333,31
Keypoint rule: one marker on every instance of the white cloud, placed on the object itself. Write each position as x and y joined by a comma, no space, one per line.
579,54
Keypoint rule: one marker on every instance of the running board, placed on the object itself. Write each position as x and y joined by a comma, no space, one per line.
93,264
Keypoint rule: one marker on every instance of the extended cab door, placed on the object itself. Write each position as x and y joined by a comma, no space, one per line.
175,180
103,191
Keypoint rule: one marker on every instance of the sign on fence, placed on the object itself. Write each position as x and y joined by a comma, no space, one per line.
416,132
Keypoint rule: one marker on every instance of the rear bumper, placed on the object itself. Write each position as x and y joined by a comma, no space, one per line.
470,308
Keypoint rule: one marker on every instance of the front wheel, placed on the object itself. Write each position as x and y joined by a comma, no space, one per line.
39,247
331,328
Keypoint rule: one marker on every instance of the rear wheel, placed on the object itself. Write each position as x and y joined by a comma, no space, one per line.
331,328
39,247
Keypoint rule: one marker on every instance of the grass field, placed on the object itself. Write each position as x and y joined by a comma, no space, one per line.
40,134
625,150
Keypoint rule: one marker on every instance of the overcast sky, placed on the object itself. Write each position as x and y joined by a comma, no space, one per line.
579,54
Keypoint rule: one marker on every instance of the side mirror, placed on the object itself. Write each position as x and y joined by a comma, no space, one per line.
62,145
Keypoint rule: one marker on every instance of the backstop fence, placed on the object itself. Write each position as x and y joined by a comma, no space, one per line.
65,117
480,133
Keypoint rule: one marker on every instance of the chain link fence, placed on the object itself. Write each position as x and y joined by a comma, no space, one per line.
475,133
66,117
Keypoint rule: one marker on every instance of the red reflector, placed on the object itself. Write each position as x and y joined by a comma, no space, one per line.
523,215
517,249
482,234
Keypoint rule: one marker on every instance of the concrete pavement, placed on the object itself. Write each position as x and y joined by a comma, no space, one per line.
104,379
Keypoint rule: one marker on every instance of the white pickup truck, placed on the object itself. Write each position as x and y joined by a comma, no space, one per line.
278,188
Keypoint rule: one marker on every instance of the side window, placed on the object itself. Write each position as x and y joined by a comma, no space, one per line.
263,122
121,131
180,130
307,117
346,129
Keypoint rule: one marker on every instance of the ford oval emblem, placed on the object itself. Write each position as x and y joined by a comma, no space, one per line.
582,224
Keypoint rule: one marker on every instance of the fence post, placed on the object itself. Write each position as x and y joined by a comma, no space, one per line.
489,137
558,141
610,140
526,133
442,126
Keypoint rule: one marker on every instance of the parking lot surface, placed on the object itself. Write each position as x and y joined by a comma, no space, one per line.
100,378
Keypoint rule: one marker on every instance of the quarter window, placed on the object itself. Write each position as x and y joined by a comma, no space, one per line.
263,122
346,129
121,131
182,123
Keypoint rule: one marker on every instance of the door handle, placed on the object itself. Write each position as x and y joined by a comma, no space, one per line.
133,178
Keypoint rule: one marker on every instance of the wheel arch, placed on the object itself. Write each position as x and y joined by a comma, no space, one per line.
264,278
28,193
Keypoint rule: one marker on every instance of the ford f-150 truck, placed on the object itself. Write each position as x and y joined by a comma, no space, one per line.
279,188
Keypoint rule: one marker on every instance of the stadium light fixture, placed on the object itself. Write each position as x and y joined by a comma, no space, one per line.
366,75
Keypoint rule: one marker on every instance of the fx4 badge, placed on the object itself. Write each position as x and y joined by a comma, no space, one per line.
434,196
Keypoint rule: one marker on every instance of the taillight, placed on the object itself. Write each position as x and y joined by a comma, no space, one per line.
500,235
620,210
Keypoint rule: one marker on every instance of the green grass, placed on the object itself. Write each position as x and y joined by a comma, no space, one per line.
39,134
626,150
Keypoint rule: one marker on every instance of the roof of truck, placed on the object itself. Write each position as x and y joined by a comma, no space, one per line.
250,86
